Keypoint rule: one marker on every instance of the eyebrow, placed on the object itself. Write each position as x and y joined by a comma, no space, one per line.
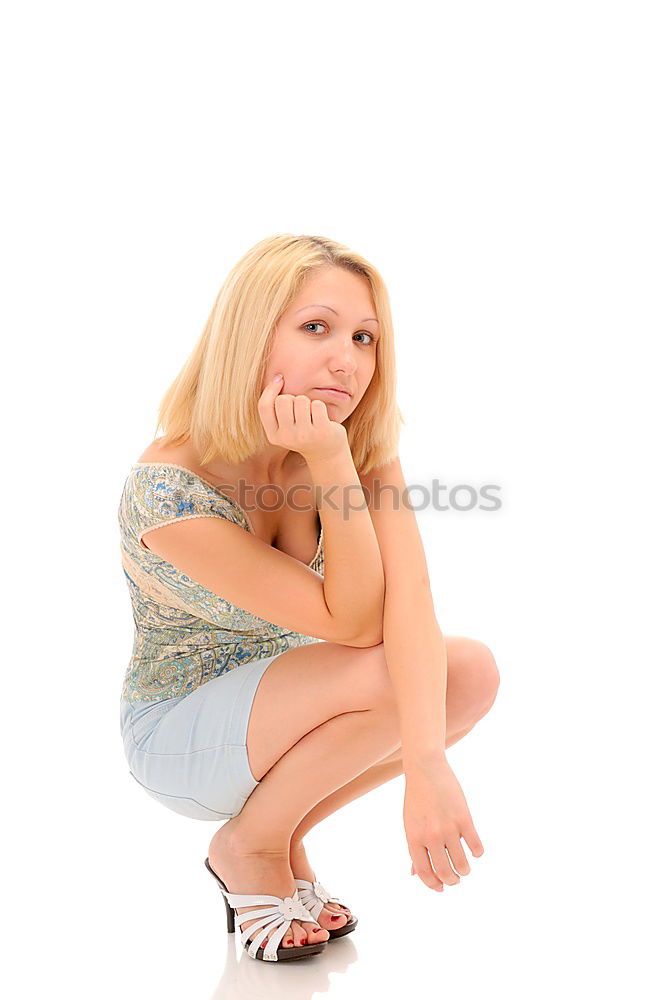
317,305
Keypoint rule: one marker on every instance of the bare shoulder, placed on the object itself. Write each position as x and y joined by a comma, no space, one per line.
386,496
155,452
385,481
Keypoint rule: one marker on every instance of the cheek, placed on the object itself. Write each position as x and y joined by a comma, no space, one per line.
369,374
287,358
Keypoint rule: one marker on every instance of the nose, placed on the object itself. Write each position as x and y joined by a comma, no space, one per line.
343,358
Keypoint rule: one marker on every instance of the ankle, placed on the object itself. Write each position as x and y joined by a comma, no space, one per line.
239,844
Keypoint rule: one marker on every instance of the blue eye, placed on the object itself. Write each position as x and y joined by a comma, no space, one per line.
363,332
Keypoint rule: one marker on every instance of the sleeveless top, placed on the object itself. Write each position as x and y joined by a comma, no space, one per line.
185,634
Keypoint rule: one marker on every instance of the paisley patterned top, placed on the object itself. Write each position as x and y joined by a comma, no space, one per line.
185,634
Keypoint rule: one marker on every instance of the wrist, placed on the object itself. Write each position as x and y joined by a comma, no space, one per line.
328,463
422,758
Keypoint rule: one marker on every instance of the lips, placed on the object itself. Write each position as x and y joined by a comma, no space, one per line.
337,393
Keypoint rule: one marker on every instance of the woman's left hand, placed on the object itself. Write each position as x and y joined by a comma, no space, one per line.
436,816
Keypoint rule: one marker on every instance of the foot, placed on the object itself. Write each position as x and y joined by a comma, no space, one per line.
261,873
332,915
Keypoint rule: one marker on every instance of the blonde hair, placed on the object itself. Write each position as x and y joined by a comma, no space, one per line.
213,401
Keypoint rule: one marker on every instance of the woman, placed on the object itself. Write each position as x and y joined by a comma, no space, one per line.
267,688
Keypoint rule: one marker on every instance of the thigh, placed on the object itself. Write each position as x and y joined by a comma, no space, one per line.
306,686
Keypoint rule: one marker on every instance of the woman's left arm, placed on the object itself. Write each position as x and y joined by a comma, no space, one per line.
435,811
412,639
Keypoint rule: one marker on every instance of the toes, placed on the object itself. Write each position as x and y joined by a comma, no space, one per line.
299,933
338,908
316,933
330,920
336,917
296,935
256,934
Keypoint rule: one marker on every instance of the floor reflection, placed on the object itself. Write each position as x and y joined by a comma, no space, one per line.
245,978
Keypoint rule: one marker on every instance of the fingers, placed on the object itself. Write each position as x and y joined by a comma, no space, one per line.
299,423
293,411
266,406
282,410
422,865
283,406
471,836
442,865
457,856
319,413
302,410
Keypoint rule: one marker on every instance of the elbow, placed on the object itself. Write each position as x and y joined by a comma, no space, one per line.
369,637
371,632
363,642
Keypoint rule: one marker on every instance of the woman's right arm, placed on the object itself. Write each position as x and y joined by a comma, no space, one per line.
354,583
238,569
347,605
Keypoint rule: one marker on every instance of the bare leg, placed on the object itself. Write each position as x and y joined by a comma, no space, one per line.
305,778
251,851
384,770
380,772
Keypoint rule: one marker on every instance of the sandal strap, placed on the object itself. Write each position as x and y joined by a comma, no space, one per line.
248,899
274,918
269,923
314,895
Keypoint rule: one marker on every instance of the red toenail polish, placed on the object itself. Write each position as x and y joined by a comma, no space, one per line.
336,916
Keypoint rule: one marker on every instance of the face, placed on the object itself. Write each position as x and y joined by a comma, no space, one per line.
328,336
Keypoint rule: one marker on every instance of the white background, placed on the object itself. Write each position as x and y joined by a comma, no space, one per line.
501,164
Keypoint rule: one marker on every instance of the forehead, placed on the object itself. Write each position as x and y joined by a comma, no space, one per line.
336,287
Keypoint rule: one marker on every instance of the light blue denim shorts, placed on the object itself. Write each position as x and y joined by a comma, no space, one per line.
190,753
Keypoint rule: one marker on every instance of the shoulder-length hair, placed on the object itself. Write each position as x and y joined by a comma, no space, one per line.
214,399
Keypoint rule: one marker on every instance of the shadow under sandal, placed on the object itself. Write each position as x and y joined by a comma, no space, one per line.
275,916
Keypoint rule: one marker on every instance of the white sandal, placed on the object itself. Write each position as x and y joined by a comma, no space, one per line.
314,895
275,917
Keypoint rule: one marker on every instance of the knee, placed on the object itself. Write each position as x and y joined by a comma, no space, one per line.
371,670
488,677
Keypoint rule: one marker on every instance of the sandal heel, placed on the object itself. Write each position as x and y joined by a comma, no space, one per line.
230,916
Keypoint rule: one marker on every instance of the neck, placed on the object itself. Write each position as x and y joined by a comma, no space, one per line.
271,465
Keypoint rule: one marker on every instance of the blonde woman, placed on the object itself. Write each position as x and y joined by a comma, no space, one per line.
287,657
